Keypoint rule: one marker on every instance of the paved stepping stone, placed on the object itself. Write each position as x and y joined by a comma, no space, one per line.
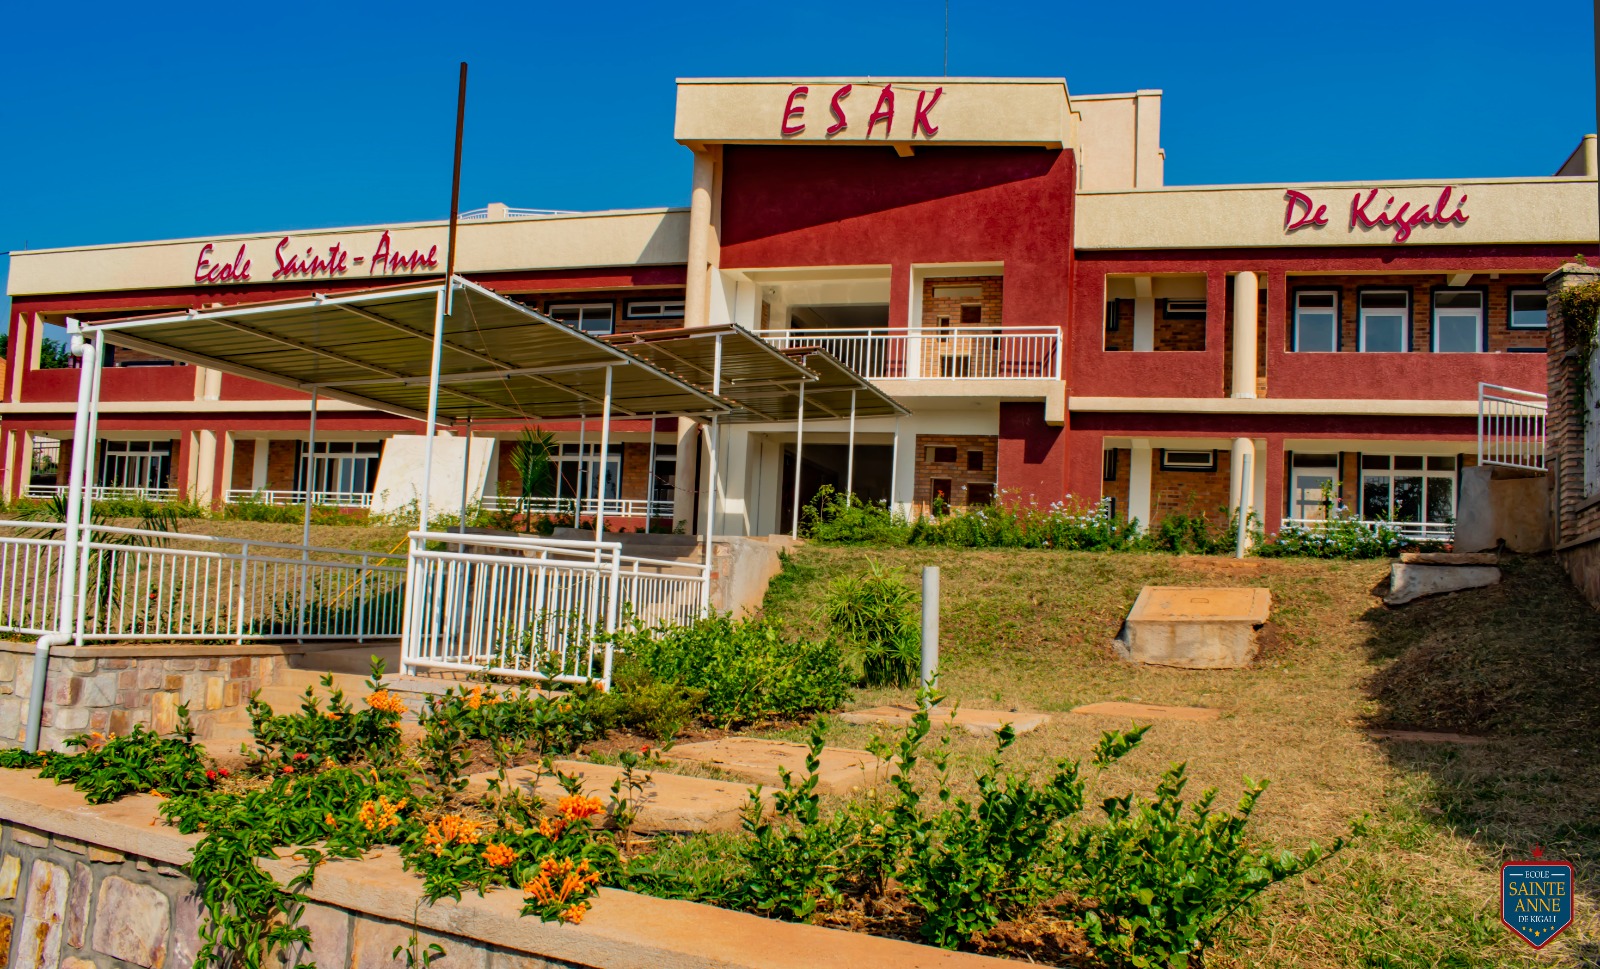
839,771
1147,711
979,722
670,802
1427,737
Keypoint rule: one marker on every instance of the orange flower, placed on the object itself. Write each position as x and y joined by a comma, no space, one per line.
476,699
330,820
552,827
576,806
382,814
448,830
499,856
559,880
385,702
574,914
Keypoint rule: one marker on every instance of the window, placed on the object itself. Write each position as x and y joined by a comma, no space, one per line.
1186,309
664,478
594,319
1108,469
1527,310
971,315
1188,460
578,471
46,461
1385,316
940,455
1314,490
135,464
980,494
1113,324
1457,321
974,460
1408,488
1316,322
341,467
657,309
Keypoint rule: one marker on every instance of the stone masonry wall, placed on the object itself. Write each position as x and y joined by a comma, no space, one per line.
95,689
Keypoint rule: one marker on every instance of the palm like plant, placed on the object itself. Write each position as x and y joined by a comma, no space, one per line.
104,591
532,462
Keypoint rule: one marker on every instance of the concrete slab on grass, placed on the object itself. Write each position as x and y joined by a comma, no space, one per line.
1194,628
1408,582
839,771
979,722
1147,711
670,802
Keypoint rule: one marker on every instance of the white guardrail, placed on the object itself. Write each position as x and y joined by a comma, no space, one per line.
615,507
534,607
1411,531
1511,427
950,353
108,492
337,499
142,585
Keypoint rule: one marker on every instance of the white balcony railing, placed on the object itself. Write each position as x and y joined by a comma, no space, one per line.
950,353
1511,427
107,492
1410,531
337,499
615,507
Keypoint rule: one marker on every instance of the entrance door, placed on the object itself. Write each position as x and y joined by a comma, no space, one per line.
1315,489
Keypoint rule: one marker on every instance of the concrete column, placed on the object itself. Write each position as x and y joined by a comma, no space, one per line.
697,283
1237,486
205,467
224,476
1139,482
1144,314
687,480
258,465
1246,296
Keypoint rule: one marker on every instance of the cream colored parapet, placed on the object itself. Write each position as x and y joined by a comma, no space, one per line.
374,254
1463,212
840,110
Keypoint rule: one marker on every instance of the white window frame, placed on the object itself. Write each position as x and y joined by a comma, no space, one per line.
1361,319
1334,293
586,471
1299,507
1167,464
1511,306
134,464
1477,330
653,309
339,467
1185,309
1425,472
581,308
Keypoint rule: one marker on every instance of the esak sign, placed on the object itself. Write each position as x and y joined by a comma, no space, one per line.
838,118
290,259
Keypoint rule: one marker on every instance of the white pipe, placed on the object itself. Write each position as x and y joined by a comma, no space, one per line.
850,462
894,468
799,444
605,455
89,473
305,517
433,407
583,469
650,477
466,469
711,486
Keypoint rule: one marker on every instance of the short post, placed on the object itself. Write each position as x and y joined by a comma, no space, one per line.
1244,508
930,631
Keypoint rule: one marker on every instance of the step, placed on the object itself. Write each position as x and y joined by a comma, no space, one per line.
839,770
355,660
981,723
669,803
1147,711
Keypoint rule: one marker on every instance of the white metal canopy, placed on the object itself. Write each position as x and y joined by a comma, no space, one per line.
497,360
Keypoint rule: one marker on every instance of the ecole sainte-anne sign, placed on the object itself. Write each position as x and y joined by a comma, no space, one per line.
314,261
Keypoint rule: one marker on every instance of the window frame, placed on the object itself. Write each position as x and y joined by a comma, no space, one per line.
1201,469
1483,317
1511,296
551,308
1407,339
631,311
1186,312
1453,475
1108,464
1338,317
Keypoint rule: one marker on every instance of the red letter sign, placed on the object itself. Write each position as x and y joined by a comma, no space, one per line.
838,109
883,112
920,119
794,112
1311,213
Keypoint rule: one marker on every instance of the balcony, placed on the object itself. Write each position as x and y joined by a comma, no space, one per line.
951,354
335,499
614,507
1409,531
108,493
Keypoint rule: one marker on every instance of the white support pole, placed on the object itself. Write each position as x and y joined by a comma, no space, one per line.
86,534
850,462
583,470
711,479
425,499
799,444
928,680
605,454
650,478
77,483
894,468
310,482
466,469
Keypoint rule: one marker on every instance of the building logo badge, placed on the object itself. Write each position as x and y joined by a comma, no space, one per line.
1536,898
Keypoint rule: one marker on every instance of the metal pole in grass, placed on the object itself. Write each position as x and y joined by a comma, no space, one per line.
1244,506
930,630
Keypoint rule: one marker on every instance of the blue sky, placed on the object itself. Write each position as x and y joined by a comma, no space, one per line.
136,121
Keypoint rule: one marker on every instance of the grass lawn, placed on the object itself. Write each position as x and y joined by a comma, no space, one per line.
1517,664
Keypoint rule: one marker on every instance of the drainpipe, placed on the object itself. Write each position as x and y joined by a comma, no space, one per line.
67,605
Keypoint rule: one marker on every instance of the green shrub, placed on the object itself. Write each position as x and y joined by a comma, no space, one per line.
326,729
254,510
875,615
844,519
107,768
1069,525
645,705
747,668
1338,538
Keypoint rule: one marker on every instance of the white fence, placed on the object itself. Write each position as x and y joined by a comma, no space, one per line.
1411,531
339,499
139,585
615,507
946,353
108,492
534,607
1511,427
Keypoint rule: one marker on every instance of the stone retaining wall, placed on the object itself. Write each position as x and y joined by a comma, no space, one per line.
103,887
111,688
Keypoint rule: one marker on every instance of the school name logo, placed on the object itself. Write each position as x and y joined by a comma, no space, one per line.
1536,898
1366,212
290,262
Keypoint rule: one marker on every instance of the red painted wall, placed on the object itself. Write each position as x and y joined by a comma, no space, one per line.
1033,455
